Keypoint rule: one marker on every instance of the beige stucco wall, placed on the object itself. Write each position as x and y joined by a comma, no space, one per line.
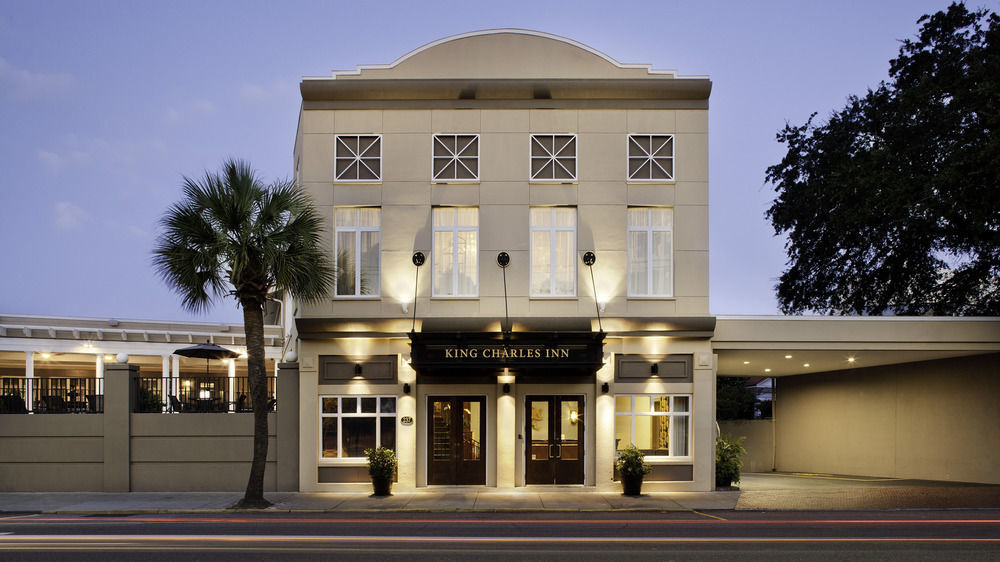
759,442
196,452
47,453
601,195
932,420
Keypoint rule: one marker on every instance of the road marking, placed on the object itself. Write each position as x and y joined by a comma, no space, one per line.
709,515
132,540
714,520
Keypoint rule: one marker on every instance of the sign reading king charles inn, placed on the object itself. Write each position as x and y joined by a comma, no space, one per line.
549,350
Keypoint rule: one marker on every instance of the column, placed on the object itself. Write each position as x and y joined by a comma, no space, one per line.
506,431
119,401
29,374
287,430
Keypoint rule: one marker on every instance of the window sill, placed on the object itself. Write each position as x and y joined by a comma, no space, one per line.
357,182
343,462
554,182
455,182
651,182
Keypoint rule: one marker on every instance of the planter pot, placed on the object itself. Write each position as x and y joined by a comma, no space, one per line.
724,482
382,486
632,484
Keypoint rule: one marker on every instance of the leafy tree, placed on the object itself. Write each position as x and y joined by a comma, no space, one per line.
231,235
893,204
733,399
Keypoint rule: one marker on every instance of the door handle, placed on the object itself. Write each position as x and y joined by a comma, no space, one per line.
558,450
552,454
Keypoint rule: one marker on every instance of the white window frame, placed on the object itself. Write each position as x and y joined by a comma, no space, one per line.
552,230
378,415
555,156
357,158
652,158
357,229
454,229
632,414
454,157
649,229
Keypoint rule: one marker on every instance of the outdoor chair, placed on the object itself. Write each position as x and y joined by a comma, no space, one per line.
95,403
12,404
271,404
53,404
175,404
241,403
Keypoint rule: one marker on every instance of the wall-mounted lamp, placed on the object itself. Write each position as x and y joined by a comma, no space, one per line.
357,368
406,388
605,388
602,305
506,388
654,369
405,306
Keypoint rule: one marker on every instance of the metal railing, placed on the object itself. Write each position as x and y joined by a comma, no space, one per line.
51,395
198,394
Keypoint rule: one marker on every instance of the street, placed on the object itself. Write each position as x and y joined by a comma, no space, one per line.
910,535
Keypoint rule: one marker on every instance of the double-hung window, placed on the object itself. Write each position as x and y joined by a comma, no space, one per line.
351,424
650,251
553,158
455,158
358,158
659,425
553,251
650,158
356,247
456,252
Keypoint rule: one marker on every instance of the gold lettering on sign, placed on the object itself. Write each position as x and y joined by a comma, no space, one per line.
504,353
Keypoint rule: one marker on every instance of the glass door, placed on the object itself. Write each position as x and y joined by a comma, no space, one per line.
554,451
456,450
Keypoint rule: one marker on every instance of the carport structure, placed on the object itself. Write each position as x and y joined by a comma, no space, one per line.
905,397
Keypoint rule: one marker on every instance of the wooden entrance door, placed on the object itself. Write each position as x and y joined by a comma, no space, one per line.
554,452
456,450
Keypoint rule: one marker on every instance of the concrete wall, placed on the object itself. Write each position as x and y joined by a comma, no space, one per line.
932,420
122,451
759,442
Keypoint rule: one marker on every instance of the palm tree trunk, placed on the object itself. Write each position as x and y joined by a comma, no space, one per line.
253,322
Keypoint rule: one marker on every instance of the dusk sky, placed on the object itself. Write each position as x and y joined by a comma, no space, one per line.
104,106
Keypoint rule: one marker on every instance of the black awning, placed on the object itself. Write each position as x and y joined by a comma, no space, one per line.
522,353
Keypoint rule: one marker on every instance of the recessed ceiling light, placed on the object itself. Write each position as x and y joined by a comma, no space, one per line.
788,357
46,355
850,360
767,370
805,364
746,362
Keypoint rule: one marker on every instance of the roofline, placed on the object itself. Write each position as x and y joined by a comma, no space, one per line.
778,317
362,67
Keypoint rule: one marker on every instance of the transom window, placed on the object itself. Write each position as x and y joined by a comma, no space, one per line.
456,158
650,157
351,424
456,252
650,251
553,251
356,247
659,425
358,158
553,157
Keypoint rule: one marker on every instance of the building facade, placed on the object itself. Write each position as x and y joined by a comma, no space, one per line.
556,202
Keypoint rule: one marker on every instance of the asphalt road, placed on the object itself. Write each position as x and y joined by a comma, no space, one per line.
908,535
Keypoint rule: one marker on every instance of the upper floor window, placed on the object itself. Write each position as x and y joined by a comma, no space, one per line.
358,158
357,233
456,252
650,157
456,158
553,251
650,249
553,157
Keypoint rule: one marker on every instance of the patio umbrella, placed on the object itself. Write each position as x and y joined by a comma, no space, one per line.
206,351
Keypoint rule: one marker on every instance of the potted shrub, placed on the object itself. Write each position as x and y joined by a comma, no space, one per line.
728,460
632,466
382,469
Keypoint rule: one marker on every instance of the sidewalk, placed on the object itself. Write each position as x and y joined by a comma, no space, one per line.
420,500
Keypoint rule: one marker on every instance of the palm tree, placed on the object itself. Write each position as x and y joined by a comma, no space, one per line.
231,235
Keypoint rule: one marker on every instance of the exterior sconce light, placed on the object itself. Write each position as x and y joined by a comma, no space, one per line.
406,306
406,388
418,259
506,388
503,259
654,369
605,388
357,368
